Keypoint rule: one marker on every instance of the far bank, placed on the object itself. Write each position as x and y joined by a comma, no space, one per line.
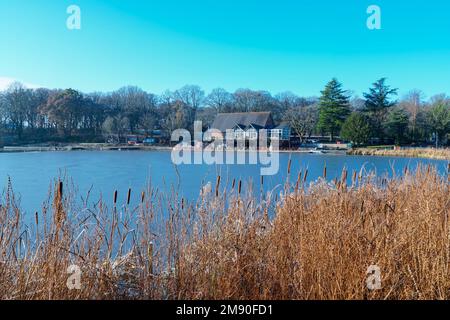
429,153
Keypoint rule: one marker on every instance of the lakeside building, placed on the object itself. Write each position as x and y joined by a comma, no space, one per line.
247,125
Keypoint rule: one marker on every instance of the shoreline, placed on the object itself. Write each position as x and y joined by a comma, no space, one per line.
81,147
109,147
422,153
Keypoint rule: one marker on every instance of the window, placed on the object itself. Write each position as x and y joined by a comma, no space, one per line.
275,133
252,134
239,134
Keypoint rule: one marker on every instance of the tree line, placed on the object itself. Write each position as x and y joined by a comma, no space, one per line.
46,115
378,118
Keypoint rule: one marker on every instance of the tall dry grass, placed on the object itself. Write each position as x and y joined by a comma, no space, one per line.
307,242
430,153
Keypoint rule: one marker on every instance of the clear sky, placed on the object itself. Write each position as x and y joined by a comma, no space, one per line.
295,45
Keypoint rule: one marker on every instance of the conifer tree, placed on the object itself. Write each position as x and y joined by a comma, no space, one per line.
334,108
377,105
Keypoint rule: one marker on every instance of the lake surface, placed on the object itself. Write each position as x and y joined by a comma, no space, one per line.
105,171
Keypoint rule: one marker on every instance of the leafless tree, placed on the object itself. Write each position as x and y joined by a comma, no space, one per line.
302,119
220,100
413,104
17,99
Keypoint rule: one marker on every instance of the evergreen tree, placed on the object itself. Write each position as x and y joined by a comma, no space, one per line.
334,108
396,124
377,104
356,128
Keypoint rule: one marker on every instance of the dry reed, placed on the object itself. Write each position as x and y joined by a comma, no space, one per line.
431,153
315,242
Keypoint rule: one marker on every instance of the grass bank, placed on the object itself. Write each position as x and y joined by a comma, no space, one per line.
431,153
319,244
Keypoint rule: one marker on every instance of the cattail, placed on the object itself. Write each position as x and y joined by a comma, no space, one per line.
115,197
60,189
128,196
354,178
36,215
299,178
239,186
217,185
289,166
182,203
344,177
262,180
150,257
142,196
325,171
306,175
59,210
233,183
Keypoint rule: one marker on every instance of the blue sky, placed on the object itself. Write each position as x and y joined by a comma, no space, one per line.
295,45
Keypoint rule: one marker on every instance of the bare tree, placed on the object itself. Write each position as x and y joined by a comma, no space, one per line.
220,100
357,103
114,127
413,103
302,119
133,103
17,101
287,100
192,96
247,100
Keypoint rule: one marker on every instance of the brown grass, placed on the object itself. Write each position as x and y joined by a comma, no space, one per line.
318,245
431,153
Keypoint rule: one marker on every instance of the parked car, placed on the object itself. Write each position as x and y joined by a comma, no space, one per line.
132,140
149,141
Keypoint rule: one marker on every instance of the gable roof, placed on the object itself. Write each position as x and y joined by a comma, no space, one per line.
283,125
238,126
258,120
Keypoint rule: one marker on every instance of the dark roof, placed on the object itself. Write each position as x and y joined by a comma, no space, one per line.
283,125
258,120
